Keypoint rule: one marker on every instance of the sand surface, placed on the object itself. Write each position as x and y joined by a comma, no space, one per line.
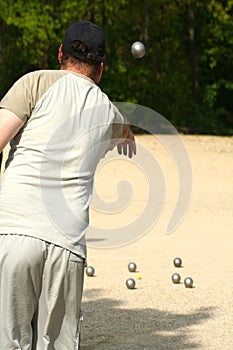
158,314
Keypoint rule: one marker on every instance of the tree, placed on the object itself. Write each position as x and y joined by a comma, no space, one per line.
186,74
217,60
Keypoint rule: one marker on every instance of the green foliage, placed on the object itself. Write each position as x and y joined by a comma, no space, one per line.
217,58
186,74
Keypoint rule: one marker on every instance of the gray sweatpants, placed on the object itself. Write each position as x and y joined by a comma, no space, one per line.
40,295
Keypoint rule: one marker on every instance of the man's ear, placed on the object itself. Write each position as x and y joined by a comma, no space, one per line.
101,67
100,72
59,56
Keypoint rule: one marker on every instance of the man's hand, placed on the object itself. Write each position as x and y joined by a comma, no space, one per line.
127,145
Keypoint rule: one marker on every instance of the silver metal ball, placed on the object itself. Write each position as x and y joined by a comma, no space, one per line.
130,283
176,278
138,49
90,271
177,262
188,282
132,267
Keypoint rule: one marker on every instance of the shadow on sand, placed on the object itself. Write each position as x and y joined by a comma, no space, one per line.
109,326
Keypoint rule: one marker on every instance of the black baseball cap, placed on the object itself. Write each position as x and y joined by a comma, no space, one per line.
88,33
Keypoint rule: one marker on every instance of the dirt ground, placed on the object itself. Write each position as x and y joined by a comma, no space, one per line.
158,314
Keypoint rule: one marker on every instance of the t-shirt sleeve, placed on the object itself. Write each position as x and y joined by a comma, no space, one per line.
18,99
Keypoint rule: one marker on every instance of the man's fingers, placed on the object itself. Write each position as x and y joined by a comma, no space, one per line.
119,148
134,150
127,147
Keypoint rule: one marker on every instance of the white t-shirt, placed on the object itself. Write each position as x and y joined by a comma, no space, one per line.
69,126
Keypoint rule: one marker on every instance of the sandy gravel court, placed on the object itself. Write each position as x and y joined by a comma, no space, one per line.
158,314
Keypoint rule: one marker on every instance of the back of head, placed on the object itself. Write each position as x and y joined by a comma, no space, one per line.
85,40
84,47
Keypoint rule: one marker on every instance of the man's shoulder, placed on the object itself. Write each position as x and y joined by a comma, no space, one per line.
44,73
39,76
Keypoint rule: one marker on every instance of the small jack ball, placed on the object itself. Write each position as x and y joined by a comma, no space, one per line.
177,262
138,49
132,267
188,282
90,271
176,278
130,283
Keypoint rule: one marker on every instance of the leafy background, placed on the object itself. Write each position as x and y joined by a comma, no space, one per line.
186,74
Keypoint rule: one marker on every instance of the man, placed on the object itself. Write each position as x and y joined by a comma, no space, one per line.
60,124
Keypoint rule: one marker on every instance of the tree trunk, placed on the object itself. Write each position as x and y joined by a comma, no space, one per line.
193,51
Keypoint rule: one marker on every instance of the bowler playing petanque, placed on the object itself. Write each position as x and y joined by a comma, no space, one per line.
54,119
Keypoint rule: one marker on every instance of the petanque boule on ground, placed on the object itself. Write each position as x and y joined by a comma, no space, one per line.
130,283
177,262
90,271
132,267
176,278
188,282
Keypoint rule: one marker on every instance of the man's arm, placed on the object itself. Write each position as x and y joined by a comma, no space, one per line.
127,145
10,124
